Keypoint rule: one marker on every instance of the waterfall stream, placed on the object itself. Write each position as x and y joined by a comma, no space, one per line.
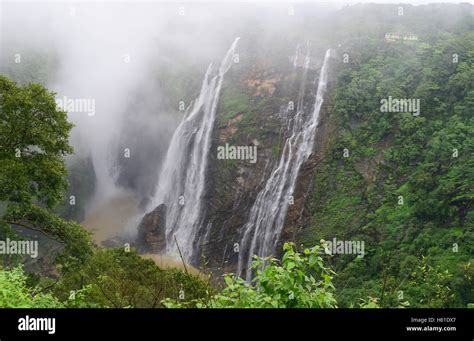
267,215
182,177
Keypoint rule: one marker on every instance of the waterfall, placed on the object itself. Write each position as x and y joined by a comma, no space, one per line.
267,215
182,177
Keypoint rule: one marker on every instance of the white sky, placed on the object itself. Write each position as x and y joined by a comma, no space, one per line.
181,2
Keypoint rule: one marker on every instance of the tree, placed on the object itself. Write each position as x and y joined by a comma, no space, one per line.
34,139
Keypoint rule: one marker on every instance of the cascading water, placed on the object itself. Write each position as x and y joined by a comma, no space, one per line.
268,213
182,177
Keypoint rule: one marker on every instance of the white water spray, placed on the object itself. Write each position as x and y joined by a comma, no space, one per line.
268,213
183,175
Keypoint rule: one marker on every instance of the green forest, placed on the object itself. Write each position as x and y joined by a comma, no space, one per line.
402,182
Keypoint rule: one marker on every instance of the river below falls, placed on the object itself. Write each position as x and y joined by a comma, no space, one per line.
112,219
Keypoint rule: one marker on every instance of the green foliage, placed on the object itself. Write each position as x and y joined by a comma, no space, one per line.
426,160
118,279
234,102
34,139
33,142
299,280
410,258
14,292
77,242
370,303
430,286
110,278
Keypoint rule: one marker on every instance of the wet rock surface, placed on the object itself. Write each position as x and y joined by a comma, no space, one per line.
151,231
247,117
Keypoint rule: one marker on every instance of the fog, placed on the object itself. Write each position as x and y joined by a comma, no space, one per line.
113,56
132,64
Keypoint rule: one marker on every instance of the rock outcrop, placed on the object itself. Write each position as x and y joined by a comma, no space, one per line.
151,231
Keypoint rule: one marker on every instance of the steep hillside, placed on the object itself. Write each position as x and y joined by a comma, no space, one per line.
399,181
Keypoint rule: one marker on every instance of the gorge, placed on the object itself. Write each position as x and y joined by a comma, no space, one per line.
276,134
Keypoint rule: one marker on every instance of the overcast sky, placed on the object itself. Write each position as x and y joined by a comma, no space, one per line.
414,2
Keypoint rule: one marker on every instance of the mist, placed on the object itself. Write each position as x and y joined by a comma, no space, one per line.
231,138
111,55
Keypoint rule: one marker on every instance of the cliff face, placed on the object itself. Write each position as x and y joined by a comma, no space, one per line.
395,181
250,114
254,111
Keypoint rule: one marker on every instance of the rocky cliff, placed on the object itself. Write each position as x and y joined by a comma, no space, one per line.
252,112
234,184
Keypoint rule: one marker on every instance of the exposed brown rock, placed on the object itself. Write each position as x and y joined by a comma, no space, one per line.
151,231
230,128
262,86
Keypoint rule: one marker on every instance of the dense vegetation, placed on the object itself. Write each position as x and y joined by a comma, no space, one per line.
401,182
34,138
299,280
33,142
123,280
33,180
